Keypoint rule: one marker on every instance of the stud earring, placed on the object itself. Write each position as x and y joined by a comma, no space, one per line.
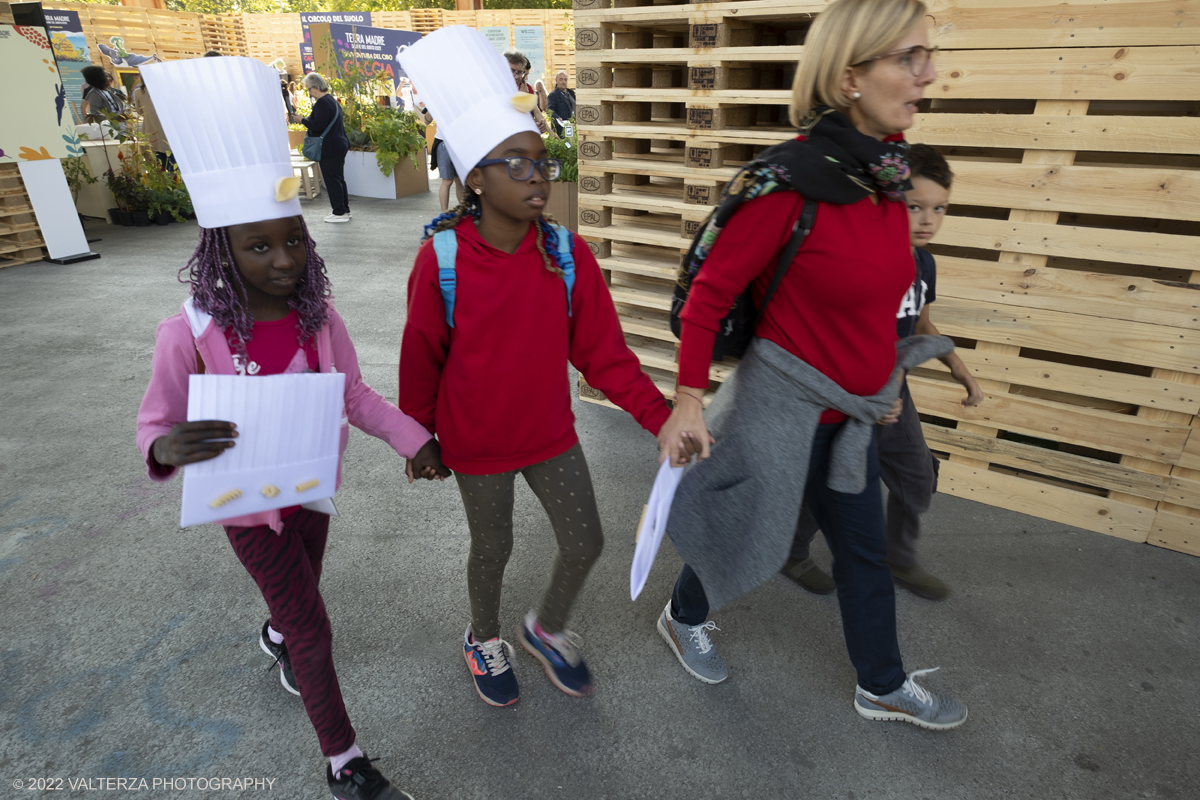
479,191
856,95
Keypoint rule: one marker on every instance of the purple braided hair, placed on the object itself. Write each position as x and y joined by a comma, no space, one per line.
217,287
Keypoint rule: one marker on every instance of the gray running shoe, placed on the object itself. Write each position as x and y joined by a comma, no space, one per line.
912,703
693,648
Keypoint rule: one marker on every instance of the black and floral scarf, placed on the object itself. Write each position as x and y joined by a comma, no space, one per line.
834,164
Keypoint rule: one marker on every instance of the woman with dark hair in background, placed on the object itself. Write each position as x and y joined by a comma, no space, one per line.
100,96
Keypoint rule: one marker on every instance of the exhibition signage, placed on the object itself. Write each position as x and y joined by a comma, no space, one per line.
308,18
71,52
529,40
374,49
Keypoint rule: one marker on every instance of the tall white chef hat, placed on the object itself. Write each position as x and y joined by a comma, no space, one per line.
469,90
227,126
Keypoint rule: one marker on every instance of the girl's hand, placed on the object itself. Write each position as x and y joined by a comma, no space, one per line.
974,393
191,442
684,434
893,414
427,463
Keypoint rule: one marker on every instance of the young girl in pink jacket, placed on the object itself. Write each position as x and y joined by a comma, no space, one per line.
260,305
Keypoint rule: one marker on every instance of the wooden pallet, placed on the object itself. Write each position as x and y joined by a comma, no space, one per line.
224,33
20,237
1067,266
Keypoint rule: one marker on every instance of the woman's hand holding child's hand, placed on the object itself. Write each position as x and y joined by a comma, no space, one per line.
684,434
191,442
427,463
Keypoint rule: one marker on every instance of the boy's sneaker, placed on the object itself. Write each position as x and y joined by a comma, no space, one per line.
809,575
358,780
337,218
693,648
494,678
559,656
912,703
280,654
920,582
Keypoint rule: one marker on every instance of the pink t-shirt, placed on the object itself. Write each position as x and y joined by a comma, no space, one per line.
274,349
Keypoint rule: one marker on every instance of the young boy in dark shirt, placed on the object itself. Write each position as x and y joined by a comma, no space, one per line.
906,465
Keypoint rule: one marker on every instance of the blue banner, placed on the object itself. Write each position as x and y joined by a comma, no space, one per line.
375,49
306,18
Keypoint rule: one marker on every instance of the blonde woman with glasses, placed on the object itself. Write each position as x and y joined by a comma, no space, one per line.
798,420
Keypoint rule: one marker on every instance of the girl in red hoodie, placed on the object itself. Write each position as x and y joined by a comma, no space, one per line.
487,370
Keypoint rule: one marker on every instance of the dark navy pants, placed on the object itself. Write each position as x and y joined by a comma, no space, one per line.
854,528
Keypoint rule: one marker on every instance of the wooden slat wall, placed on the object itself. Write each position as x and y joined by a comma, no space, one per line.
1067,267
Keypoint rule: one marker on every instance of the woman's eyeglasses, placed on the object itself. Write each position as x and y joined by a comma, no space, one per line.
915,58
520,168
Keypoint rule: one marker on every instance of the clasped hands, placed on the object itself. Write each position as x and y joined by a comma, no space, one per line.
201,440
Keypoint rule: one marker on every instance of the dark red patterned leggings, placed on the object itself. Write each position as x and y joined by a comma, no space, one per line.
287,568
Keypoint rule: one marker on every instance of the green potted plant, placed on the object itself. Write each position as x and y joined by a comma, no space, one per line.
563,203
387,145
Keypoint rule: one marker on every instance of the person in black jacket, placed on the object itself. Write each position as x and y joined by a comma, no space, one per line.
326,110
561,102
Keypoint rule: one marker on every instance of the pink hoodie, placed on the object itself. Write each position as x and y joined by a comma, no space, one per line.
165,404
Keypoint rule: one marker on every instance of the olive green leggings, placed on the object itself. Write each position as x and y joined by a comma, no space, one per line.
564,486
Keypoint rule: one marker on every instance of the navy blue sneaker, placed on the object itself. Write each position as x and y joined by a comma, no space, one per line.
560,658
494,678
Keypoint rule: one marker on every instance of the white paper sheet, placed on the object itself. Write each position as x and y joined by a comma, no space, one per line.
654,525
289,429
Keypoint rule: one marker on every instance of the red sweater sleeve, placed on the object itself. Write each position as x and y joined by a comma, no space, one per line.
748,245
426,341
599,351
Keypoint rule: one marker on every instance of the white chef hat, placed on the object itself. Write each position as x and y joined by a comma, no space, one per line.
227,126
469,90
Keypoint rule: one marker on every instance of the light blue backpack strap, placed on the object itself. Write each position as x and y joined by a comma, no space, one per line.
566,260
445,245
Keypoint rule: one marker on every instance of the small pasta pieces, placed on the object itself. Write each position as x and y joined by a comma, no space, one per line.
270,490
228,497
304,487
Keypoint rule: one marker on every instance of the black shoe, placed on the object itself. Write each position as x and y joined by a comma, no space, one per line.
280,654
358,780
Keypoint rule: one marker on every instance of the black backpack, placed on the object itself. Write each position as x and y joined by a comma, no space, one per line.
738,326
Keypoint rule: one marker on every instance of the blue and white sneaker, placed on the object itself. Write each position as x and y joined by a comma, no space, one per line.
912,703
559,656
494,678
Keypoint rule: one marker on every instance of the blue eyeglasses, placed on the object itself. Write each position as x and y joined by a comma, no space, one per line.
520,168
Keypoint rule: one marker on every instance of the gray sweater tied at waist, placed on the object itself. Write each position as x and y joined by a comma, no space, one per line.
734,515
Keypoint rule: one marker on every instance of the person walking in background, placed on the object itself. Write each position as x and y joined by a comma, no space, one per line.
444,165
152,127
519,66
288,102
561,102
907,467
326,121
798,423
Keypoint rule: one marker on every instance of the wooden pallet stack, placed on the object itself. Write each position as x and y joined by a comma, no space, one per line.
272,36
224,33
20,236
1068,272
